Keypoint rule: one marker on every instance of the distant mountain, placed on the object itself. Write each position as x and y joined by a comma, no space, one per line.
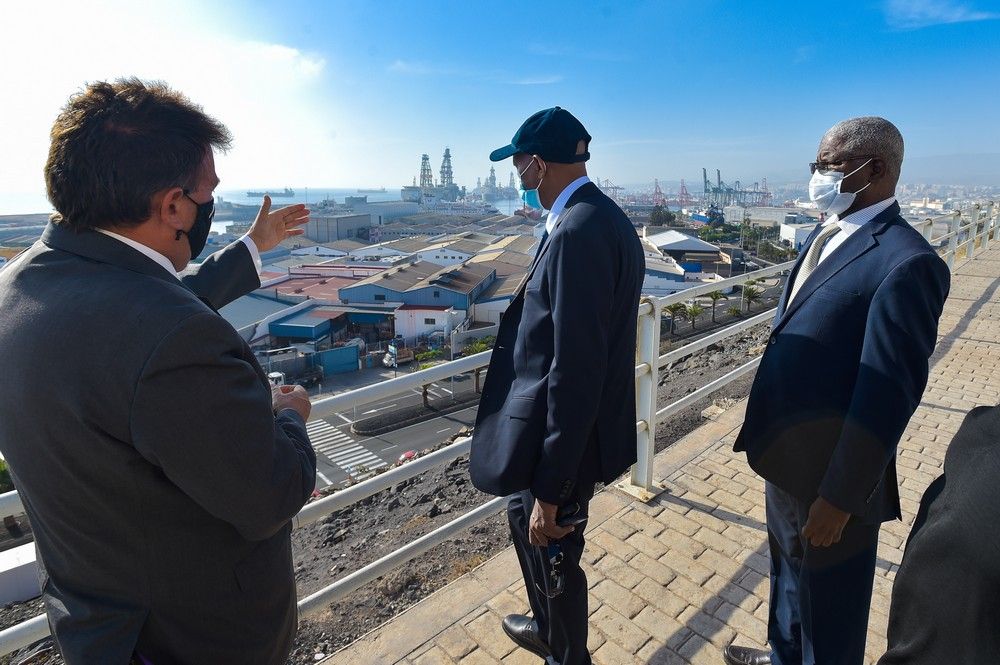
957,169
968,169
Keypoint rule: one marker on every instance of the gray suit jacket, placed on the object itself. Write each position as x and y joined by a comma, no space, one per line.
140,435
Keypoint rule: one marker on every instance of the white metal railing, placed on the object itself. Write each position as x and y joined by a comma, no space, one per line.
981,227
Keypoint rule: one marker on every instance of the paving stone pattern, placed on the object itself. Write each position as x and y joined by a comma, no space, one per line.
677,579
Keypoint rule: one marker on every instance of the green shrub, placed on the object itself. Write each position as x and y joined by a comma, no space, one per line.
479,345
428,355
6,485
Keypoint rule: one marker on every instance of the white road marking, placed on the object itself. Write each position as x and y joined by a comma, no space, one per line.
341,449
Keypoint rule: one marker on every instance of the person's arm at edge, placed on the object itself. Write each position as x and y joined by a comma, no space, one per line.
201,413
581,279
900,337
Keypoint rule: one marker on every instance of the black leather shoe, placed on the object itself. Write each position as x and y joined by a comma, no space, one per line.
735,655
524,631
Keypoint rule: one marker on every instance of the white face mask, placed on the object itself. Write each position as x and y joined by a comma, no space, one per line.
824,191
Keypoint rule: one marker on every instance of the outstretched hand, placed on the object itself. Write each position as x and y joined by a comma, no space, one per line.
271,227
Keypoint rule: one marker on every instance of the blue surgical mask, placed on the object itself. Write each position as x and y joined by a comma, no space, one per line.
530,196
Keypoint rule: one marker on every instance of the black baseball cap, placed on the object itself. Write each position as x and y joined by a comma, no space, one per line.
551,134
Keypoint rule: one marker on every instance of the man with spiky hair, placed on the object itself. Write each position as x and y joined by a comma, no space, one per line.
158,468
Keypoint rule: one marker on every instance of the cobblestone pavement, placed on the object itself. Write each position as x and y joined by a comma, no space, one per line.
677,579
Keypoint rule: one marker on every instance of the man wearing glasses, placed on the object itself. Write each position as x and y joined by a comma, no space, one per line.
844,369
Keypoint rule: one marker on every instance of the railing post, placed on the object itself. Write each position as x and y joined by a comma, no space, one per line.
970,248
640,483
928,229
956,221
988,226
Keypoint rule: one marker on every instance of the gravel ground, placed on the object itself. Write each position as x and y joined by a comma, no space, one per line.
364,532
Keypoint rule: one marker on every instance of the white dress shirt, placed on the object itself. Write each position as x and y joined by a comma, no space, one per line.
165,262
562,200
852,223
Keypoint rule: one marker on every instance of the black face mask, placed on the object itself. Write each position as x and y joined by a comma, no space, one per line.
198,235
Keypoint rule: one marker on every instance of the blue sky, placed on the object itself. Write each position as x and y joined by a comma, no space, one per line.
350,94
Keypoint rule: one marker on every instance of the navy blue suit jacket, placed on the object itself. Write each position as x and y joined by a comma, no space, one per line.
558,404
845,367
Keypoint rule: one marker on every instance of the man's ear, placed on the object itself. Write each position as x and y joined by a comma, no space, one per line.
582,146
542,165
878,169
169,208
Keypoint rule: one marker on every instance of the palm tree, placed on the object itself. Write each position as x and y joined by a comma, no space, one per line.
751,294
715,297
734,311
677,310
694,310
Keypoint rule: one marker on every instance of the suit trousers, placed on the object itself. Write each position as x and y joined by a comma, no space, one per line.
820,596
562,621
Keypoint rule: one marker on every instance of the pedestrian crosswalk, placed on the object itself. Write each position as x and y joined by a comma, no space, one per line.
341,449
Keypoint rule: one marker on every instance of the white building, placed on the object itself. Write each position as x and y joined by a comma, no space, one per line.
318,250
451,252
412,321
326,227
796,234
764,216
401,247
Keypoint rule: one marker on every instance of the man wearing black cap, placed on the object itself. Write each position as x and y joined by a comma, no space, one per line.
557,413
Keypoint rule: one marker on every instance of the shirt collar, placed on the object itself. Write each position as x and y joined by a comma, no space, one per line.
139,247
562,200
859,218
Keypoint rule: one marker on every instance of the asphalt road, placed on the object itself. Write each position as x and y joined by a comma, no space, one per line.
342,455
439,391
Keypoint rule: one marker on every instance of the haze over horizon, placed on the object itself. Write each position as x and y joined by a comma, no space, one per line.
340,95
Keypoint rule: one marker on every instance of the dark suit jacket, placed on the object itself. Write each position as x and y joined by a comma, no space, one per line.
845,367
558,404
946,597
140,435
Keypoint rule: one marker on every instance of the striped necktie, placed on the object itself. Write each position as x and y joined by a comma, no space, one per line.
811,260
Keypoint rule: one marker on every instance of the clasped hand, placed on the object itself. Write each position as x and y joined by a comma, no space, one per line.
825,523
542,526
291,397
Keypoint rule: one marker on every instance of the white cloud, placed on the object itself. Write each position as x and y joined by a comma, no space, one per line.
538,80
422,69
413,68
915,14
266,93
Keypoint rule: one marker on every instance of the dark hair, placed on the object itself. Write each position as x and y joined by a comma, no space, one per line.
114,145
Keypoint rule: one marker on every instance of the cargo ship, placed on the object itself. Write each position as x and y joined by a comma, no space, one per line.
284,194
380,190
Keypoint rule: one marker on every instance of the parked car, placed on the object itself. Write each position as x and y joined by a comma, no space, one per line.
403,356
309,378
407,456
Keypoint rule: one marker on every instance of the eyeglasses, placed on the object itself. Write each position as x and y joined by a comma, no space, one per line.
826,166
